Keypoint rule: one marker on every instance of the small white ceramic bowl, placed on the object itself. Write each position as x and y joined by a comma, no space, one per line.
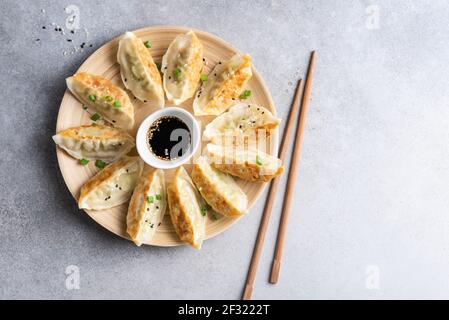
142,136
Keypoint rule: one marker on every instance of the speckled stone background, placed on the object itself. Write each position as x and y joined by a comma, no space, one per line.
371,211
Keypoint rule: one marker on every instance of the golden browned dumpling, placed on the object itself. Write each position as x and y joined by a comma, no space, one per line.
147,207
245,163
225,84
111,186
99,93
182,65
138,70
186,209
241,120
219,189
95,142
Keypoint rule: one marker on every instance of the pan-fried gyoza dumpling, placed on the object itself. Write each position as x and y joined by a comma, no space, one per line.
240,120
225,83
186,209
95,142
182,65
111,186
219,189
246,163
138,70
99,93
147,207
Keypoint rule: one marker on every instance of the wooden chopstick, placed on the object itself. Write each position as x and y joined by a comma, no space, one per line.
276,266
257,251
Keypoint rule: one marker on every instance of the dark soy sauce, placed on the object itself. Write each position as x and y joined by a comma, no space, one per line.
169,138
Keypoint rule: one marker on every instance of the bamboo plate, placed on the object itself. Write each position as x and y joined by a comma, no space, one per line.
103,62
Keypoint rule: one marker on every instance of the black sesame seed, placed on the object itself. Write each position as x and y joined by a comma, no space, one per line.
204,59
165,68
69,40
90,46
120,188
157,207
169,77
56,29
113,121
44,27
72,31
263,112
126,79
38,39
148,209
215,74
145,101
159,224
219,62
240,126
116,185
258,109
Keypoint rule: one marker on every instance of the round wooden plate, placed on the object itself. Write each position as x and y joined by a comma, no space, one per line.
103,62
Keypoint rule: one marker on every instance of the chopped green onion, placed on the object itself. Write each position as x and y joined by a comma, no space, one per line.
95,117
147,44
158,196
203,77
177,72
158,65
117,104
150,199
258,160
203,210
84,162
215,216
109,99
100,164
92,97
245,94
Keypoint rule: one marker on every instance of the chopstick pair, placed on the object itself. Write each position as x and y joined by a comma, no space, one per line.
276,265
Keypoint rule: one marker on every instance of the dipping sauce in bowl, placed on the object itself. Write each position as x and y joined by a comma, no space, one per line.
168,138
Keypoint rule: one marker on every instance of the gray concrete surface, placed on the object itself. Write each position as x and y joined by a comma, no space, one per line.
370,218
